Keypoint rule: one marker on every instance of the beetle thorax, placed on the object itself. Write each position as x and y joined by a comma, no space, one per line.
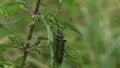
60,34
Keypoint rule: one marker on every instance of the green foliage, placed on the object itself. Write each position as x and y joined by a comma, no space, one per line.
5,45
92,37
6,65
17,62
73,28
10,7
2,26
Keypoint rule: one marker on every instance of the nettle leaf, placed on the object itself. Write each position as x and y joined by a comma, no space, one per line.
10,7
3,26
4,31
6,64
12,38
1,12
17,61
6,45
18,21
73,28
42,38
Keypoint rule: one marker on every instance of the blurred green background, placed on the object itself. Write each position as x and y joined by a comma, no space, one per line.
97,20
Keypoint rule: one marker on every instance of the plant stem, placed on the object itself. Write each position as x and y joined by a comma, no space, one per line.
58,7
30,35
50,37
24,59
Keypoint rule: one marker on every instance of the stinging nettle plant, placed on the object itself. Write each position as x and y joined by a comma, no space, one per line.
53,29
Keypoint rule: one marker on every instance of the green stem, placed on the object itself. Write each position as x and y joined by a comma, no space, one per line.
50,37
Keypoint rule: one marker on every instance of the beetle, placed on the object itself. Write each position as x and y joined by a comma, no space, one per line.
59,40
60,43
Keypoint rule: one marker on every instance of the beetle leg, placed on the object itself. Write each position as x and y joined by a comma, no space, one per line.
66,53
64,40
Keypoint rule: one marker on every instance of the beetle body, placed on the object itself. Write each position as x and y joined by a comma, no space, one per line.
59,40
60,46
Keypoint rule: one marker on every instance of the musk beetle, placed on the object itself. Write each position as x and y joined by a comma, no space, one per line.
59,41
